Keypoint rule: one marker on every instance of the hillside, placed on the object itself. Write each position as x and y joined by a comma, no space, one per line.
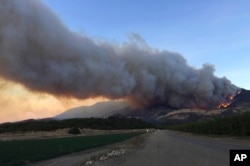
241,100
98,110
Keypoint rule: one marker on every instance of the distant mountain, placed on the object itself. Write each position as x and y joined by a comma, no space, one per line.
115,109
159,113
240,104
98,110
192,115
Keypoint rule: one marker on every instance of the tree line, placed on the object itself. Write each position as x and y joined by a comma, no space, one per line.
111,123
237,125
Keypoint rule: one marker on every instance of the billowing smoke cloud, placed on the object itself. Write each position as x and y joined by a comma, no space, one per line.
40,52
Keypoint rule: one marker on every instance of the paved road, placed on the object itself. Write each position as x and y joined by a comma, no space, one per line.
166,148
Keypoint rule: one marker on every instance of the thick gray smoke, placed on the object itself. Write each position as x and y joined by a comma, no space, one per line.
40,52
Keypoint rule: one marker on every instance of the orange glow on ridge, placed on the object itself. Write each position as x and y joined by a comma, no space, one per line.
17,103
230,99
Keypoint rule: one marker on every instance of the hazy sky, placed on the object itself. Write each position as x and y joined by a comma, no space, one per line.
212,31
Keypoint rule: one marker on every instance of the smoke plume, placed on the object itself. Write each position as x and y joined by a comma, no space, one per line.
38,51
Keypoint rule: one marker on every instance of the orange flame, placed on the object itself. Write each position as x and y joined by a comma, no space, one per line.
229,100
231,97
223,105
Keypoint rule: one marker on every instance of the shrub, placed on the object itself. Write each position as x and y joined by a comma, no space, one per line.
74,130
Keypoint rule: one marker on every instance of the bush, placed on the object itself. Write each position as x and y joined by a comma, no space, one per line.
74,131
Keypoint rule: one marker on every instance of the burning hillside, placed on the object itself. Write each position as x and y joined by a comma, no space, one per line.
158,114
38,51
229,100
242,99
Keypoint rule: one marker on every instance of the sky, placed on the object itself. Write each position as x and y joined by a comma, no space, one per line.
214,32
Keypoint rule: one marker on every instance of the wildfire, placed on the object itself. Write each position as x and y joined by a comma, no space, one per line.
231,97
229,100
223,105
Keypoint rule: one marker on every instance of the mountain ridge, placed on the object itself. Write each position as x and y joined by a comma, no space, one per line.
160,113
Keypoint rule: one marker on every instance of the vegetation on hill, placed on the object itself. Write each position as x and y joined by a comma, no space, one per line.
111,123
237,125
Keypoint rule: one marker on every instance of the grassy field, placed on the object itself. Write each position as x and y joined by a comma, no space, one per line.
22,152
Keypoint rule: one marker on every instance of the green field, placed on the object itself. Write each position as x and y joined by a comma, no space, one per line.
22,152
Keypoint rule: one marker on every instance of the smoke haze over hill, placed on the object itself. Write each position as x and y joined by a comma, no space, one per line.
38,51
